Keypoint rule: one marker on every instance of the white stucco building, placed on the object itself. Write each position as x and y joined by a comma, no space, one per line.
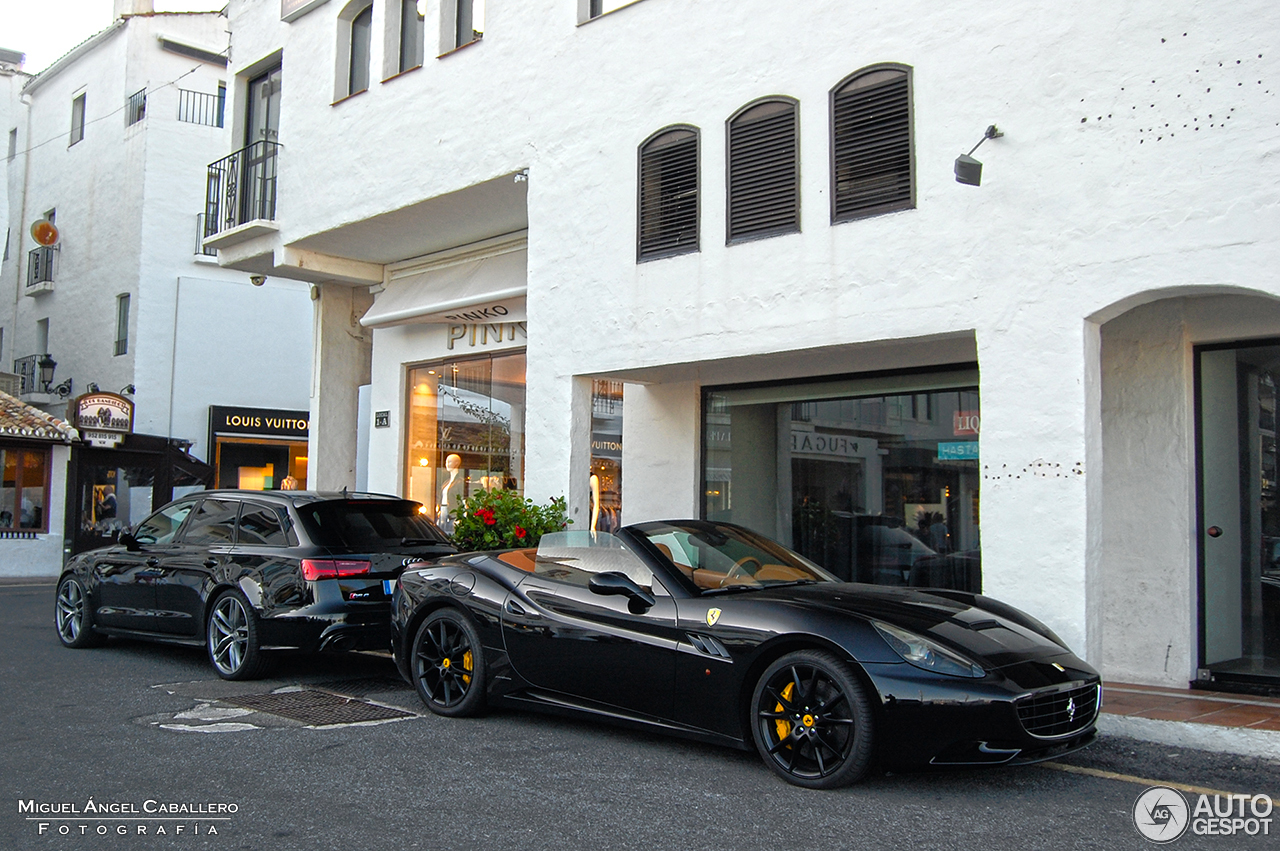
1057,384
109,144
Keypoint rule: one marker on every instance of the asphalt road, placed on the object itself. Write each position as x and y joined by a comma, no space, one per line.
140,725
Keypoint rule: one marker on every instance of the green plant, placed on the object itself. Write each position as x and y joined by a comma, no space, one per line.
502,519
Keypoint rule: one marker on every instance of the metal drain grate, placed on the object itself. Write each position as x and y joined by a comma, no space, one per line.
317,708
365,686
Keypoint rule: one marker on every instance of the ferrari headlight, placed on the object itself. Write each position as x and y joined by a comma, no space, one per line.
925,654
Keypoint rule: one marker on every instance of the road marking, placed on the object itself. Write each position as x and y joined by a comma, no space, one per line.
1141,781
32,585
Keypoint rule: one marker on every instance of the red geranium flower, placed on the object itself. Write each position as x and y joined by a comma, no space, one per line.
486,514
520,533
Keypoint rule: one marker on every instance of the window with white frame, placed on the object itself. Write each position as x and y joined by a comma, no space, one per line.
77,119
122,324
355,39
405,36
461,23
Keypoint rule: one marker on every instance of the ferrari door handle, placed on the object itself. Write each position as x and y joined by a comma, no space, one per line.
210,562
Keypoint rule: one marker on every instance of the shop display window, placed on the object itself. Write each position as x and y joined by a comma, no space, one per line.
260,465
465,431
606,455
876,479
24,490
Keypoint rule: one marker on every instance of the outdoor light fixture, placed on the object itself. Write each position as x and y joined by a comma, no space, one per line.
969,170
128,390
63,390
47,366
259,280
92,387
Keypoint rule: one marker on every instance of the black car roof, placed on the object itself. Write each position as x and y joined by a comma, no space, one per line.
300,497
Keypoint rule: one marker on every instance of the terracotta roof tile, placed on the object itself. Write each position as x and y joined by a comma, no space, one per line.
18,419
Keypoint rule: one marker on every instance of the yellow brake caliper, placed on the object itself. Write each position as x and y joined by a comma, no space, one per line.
783,725
467,663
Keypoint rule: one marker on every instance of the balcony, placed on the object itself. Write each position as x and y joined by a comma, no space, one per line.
202,231
35,379
40,269
240,195
202,107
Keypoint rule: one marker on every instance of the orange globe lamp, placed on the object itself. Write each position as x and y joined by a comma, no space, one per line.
45,232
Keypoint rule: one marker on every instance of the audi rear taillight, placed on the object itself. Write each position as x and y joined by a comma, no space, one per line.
325,568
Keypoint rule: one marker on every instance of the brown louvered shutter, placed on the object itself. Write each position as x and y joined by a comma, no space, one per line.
668,203
871,146
764,172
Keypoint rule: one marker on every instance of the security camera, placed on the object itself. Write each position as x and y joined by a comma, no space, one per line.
257,280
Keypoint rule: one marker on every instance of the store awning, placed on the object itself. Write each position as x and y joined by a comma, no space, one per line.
488,289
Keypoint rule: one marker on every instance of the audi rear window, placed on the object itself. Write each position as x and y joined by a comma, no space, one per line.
370,524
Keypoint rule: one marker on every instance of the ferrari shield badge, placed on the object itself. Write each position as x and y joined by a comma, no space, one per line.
713,615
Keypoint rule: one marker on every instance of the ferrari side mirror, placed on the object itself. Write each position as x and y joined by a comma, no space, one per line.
612,582
130,542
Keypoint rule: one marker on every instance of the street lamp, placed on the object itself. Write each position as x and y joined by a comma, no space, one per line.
47,366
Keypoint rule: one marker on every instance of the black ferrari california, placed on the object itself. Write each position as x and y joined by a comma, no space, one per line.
711,631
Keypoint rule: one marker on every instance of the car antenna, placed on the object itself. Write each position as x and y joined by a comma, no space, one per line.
344,491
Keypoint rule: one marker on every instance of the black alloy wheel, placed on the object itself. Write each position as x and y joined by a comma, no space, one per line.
73,616
812,720
232,638
448,664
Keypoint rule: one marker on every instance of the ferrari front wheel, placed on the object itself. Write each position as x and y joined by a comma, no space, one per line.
812,720
449,665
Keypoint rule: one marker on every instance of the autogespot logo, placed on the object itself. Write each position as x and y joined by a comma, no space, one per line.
1161,814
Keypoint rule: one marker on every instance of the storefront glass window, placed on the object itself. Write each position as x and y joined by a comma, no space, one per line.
260,465
875,479
606,455
465,430
24,490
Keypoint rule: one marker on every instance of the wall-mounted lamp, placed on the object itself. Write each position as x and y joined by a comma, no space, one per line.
128,390
47,366
63,390
969,170
257,280
92,387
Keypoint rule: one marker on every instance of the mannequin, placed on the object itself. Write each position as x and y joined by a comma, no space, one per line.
452,463
595,502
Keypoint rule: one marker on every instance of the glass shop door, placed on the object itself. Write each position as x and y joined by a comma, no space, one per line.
1239,516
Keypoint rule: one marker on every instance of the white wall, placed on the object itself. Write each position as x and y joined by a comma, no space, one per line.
1121,170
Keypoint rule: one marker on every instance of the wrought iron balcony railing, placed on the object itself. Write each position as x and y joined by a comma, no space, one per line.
40,265
203,229
202,107
28,371
241,187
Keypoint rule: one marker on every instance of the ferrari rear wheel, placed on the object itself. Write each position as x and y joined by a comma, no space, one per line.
449,667
812,720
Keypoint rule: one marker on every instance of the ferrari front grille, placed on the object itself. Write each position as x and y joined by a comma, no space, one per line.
1059,712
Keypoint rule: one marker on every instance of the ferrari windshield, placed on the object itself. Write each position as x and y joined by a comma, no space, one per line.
717,556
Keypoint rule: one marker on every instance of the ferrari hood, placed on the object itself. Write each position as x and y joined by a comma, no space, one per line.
991,633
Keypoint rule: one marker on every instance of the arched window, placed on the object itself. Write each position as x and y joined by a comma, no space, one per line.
361,40
764,170
872,169
668,194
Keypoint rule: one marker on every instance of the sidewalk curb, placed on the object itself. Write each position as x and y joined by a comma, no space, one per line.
1207,737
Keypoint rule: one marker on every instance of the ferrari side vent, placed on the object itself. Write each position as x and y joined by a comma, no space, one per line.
708,645
1059,712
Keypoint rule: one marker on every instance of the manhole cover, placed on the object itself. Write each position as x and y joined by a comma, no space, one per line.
317,708
365,686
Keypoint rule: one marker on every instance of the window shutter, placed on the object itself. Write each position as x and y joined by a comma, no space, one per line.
668,195
871,146
764,185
